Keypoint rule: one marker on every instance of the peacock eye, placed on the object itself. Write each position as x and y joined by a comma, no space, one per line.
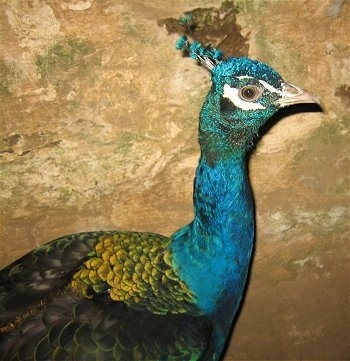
250,93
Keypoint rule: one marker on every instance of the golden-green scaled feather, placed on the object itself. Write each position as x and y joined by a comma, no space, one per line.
135,268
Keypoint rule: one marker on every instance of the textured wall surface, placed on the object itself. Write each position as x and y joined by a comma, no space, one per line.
98,130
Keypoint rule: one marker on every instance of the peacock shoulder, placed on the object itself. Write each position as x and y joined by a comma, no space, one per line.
137,269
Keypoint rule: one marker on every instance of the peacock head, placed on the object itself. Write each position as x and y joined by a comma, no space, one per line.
245,93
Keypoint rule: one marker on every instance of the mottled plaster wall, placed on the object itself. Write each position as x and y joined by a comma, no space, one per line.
98,131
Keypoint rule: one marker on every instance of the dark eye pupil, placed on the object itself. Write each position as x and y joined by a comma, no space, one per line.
248,93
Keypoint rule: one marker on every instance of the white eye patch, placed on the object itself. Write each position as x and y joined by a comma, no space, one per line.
244,77
232,94
270,88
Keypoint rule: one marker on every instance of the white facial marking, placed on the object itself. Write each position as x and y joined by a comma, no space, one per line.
270,88
244,77
232,94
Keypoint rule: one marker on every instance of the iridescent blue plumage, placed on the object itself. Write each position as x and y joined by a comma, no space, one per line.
114,295
213,252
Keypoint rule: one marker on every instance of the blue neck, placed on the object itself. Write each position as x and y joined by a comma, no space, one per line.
212,253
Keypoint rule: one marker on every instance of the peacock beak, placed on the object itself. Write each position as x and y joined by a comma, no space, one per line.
291,94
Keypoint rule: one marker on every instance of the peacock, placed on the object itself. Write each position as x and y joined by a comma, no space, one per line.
117,295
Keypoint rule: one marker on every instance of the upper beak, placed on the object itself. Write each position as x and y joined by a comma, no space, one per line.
291,94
